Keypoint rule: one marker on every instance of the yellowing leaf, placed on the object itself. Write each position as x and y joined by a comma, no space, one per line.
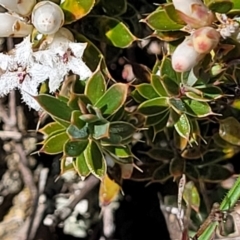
76,9
108,191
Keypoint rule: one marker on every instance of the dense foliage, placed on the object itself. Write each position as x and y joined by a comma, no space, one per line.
173,116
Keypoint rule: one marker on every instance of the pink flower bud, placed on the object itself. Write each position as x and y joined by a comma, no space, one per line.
185,56
194,13
205,39
127,170
127,72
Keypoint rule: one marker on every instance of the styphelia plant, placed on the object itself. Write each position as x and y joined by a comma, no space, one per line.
188,54
168,106
203,39
58,54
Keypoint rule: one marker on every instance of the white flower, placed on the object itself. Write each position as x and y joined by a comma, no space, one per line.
25,70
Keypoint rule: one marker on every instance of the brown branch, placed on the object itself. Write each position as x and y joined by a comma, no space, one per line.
14,135
37,215
62,214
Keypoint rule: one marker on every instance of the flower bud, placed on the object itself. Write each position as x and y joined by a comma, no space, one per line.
185,56
13,26
47,17
194,13
205,39
126,170
23,7
127,72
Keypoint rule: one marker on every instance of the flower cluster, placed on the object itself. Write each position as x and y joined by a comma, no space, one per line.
201,41
25,69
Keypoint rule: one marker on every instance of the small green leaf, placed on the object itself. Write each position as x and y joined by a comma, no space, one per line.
210,157
168,36
75,119
120,151
171,87
154,120
114,7
182,126
166,69
190,78
76,9
51,128
197,97
74,148
197,109
158,85
89,118
101,131
54,144
154,106
77,133
78,102
77,85
180,142
161,125
119,154
229,130
113,99
81,167
96,86
236,7
109,30
65,165
191,196
113,139
214,173
160,154
137,96
118,115
161,21
54,107
92,55
65,124
212,92
204,94
122,129
147,91
220,6
220,142
94,160
174,117
178,105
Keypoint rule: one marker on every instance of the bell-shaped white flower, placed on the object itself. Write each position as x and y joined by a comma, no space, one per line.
185,57
47,17
13,26
22,7
205,39
194,13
